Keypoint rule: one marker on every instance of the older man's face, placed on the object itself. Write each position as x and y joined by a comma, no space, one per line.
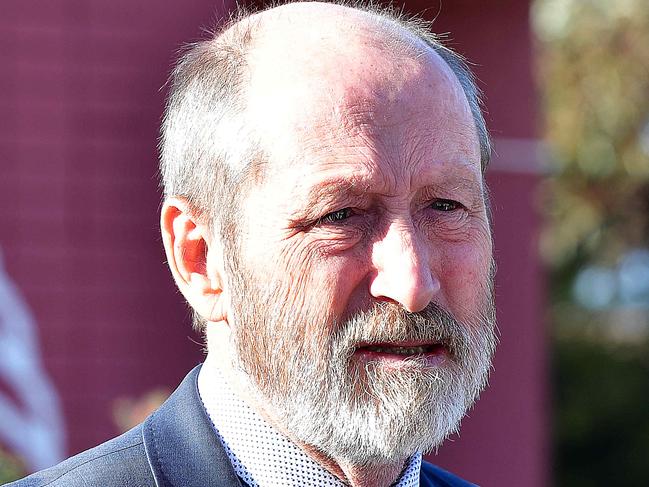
362,282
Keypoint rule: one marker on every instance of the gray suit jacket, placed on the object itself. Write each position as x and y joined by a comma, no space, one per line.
175,447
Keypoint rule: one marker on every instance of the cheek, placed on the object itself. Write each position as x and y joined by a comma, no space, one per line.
347,285
322,282
464,277
301,273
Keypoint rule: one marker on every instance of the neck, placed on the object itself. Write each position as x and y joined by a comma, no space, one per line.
357,476
382,475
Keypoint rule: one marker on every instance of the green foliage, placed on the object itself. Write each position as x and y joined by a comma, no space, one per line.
10,468
602,424
593,72
594,77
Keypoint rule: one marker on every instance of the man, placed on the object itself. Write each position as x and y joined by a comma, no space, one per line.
325,217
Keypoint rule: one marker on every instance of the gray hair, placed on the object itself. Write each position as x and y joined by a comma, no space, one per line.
207,150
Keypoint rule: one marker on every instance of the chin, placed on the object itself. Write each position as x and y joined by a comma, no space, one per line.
398,414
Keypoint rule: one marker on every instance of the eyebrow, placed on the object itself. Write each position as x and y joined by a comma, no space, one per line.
456,183
326,193
321,197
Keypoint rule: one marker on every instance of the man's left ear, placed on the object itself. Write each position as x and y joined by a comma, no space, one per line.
195,258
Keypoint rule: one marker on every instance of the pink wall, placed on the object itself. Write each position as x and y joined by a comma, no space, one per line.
81,104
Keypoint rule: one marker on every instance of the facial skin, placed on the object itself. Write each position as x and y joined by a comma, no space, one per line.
369,228
372,205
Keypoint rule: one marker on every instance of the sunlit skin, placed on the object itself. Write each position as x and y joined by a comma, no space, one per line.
372,190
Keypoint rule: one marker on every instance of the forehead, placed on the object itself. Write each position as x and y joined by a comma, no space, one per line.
356,103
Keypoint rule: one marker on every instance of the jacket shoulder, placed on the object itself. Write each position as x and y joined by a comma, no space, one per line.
433,476
120,462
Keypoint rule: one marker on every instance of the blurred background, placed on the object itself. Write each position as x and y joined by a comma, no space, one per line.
592,74
93,334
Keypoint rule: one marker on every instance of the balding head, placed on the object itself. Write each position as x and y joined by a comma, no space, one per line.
335,62
339,155
226,91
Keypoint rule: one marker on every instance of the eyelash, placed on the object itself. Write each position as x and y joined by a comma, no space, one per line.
336,216
343,214
454,205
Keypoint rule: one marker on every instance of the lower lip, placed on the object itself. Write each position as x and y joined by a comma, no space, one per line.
435,358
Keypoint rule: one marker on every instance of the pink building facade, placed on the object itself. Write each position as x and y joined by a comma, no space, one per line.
83,268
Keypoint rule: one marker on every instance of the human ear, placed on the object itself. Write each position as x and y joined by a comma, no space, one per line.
195,259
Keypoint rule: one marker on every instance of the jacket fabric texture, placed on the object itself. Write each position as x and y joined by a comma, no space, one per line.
175,446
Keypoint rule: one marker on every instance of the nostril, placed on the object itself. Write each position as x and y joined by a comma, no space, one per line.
386,299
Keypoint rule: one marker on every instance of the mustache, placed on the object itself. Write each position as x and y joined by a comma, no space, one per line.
389,322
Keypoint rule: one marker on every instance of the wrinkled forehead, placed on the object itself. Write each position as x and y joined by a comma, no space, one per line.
368,91
341,78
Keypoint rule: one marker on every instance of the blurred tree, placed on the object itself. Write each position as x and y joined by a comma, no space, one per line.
593,71
594,76
129,412
603,433
10,468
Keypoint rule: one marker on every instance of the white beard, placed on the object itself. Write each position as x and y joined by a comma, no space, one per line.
369,415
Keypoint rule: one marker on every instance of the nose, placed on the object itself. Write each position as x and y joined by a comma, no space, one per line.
403,273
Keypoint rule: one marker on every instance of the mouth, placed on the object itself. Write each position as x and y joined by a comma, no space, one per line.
434,353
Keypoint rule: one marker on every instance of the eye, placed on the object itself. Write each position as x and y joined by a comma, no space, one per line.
336,216
445,205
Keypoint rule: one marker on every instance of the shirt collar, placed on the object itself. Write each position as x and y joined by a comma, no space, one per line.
262,456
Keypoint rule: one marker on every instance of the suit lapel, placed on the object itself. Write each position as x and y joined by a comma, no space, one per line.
180,443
